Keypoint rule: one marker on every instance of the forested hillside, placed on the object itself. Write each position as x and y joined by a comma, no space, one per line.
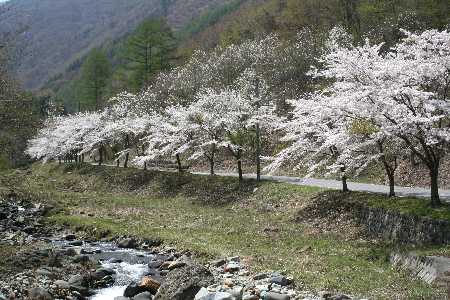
364,18
49,35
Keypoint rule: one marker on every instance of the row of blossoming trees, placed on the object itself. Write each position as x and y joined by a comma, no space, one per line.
368,106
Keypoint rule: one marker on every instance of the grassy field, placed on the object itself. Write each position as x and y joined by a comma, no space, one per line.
216,217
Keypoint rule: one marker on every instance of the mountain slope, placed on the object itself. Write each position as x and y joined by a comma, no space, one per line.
48,35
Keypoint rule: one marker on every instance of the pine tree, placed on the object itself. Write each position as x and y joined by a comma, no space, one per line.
95,75
148,51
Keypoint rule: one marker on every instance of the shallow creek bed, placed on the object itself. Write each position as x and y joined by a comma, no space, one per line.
132,269
44,262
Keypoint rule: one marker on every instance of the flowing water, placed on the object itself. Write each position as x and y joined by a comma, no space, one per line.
130,265
125,274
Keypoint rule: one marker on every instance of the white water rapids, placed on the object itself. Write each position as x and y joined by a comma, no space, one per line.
125,274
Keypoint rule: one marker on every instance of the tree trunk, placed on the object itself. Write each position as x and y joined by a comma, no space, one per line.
258,153
145,166
125,163
239,165
434,176
180,168
391,184
390,172
127,155
117,163
211,166
344,180
100,154
59,160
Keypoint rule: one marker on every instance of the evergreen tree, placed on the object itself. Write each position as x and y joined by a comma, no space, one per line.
95,75
148,51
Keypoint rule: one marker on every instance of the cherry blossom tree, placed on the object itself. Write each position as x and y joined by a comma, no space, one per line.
63,136
126,123
168,135
402,95
406,90
211,117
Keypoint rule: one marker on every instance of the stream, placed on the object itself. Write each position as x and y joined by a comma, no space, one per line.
129,265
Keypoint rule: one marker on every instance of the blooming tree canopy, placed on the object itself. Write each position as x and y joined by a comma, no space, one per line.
401,97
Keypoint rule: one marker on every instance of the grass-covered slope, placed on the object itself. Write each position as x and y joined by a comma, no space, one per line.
219,217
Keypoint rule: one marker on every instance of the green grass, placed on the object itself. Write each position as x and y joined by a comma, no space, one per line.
216,217
411,206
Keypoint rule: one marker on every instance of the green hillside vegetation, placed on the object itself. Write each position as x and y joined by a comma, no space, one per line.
208,19
379,18
128,64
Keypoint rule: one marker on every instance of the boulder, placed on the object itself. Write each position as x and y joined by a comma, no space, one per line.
63,285
280,280
81,259
155,264
133,289
165,265
128,243
103,272
150,284
45,272
70,252
79,284
152,242
87,251
260,276
185,282
70,237
78,280
39,294
234,259
276,296
115,260
232,266
218,262
76,243
143,296
237,292
176,264
215,296
203,292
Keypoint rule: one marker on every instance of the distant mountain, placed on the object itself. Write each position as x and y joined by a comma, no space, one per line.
48,35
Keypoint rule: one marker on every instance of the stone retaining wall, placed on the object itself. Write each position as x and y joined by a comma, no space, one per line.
403,228
431,269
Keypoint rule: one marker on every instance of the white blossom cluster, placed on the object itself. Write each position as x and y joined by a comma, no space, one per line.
377,107
369,106
211,103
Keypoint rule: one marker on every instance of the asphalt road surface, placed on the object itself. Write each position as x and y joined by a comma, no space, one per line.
353,186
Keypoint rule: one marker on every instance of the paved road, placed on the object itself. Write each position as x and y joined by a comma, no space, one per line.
353,186
337,185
